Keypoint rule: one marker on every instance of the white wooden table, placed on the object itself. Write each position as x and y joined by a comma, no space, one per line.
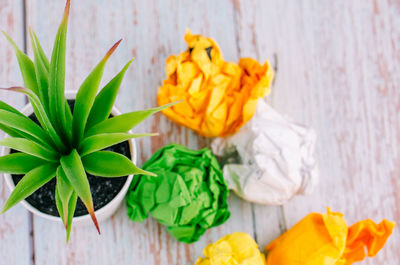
337,70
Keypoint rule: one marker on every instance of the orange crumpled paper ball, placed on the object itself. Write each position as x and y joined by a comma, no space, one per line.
325,239
218,97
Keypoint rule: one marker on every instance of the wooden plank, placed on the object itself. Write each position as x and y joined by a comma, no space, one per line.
152,30
269,220
14,225
338,71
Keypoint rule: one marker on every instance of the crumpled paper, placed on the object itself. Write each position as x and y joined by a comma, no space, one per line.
270,159
325,239
188,195
235,249
218,97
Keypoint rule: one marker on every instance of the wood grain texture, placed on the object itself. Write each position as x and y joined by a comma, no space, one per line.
269,221
14,224
337,65
338,71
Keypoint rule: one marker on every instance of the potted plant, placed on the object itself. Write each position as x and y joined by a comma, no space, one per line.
56,149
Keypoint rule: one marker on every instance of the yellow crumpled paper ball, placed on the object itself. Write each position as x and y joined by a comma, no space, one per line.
325,239
235,249
218,97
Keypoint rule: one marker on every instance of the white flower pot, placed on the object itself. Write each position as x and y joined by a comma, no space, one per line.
102,213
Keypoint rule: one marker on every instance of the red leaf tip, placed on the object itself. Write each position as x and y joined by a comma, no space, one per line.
13,88
113,48
67,8
94,219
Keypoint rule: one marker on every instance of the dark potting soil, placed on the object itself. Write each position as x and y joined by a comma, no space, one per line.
103,189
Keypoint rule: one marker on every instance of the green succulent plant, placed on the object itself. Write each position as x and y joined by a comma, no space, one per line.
66,144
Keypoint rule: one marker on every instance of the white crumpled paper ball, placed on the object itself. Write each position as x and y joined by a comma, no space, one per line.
270,159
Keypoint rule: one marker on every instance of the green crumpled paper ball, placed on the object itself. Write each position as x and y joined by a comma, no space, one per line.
189,194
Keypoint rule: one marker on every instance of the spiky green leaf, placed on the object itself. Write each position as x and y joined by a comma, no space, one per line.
26,125
42,116
5,106
71,206
86,96
43,56
10,131
29,147
63,185
59,205
26,66
100,141
75,172
42,74
68,117
44,119
125,122
57,77
64,192
111,164
32,181
105,99
71,211
19,163
27,92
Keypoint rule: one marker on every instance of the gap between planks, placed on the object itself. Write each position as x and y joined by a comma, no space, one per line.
30,215
281,214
